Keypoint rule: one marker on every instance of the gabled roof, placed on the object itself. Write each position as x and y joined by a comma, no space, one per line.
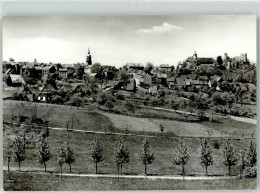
28,66
16,78
48,88
164,66
33,90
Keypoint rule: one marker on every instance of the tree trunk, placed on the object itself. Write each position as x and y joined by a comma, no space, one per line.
229,170
145,169
96,167
70,167
241,171
182,171
19,164
121,168
44,166
117,172
206,170
61,173
9,169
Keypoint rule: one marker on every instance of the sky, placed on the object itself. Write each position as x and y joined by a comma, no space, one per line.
116,40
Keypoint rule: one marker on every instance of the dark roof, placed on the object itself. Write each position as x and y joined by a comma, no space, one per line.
165,66
48,88
206,60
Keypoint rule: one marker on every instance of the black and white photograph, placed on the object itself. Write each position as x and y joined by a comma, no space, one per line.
137,102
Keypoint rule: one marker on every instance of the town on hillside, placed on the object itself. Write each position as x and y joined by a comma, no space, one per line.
197,85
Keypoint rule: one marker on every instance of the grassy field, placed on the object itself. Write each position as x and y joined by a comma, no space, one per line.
25,181
163,146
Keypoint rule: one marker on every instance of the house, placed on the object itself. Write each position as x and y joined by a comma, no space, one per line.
66,88
45,69
153,90
80,88
15,80
131,86
165,67
161,78
46,93
63,73
31,92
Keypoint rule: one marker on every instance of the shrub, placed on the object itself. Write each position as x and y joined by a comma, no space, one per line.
250,172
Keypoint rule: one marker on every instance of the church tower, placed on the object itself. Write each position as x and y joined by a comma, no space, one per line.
88,59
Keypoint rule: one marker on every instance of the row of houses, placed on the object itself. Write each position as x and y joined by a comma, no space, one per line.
45,93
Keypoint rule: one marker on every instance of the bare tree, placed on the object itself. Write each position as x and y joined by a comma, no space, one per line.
181,156
96,152
206,158
146,157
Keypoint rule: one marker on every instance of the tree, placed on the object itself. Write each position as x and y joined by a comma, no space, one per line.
69,154
18,150
122,155
148,68
96,68
251,155
110,104
241,162
9,157
76,101
96,152
229,157
206,158
145,155
61,158
181,156
43,151
123,75
161,128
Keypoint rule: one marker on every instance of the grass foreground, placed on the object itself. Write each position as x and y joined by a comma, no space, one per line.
39,182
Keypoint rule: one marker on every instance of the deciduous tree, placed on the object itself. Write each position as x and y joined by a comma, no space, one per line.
181,156
18,150
122,155
43,153
229,155
206,158
96,152
145,155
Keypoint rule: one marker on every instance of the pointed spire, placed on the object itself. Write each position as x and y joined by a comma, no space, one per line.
88,51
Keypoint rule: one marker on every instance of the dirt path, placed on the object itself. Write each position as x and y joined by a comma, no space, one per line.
244,119
175,177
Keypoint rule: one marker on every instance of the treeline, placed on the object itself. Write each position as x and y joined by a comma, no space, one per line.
245,160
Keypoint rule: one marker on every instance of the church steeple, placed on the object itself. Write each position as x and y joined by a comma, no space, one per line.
88,59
